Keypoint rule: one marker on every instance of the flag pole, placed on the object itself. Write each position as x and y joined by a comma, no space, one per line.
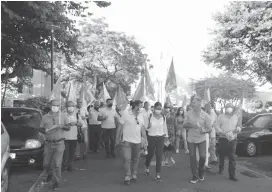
60,96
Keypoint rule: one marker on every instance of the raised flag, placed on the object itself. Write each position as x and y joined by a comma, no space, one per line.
184,102
86,95
140,91
171,82
93,89
56,92
71,96
104,94
120,99
239,110
168,100
150,91
207,96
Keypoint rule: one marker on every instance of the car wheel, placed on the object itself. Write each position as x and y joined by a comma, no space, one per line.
251,149
5,180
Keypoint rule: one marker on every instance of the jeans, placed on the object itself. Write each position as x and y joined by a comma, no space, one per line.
184,138
212,149
227,148
193,159
109,136
94,136
155,145
53,155
69,152
131,154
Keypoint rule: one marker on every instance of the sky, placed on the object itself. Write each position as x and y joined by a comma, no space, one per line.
178,29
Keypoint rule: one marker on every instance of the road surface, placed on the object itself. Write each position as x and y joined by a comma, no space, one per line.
98,174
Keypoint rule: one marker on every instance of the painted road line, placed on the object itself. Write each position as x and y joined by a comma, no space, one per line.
37,182
265,176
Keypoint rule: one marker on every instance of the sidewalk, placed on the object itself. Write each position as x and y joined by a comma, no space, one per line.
98,174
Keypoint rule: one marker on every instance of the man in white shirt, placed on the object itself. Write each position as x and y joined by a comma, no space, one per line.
133,130
108,118
94,127
70,136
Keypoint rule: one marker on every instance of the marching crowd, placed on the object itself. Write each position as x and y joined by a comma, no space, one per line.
153,130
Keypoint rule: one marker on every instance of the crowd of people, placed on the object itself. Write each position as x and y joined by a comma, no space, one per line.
139,129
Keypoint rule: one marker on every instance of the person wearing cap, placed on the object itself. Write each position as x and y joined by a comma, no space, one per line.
227,127
198,123
53,126
94,127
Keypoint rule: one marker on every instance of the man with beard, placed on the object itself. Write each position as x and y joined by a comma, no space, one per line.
108,118
227,128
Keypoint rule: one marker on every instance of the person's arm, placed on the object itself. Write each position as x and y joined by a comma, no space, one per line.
67,125
42,126
237,128
165,130
208,124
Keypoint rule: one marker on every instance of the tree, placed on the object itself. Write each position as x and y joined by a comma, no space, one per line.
112,56
242,40
26,34
225,88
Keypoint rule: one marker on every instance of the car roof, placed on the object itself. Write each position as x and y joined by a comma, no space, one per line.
16,109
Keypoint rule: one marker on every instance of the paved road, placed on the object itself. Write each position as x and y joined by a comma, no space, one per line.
100,174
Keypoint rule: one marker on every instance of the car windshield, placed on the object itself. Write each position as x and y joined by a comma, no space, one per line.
20,118
260,122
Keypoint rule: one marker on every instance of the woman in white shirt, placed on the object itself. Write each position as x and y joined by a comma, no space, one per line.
157,131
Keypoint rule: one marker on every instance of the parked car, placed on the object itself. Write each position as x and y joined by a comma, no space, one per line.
5,159
26,142
256,136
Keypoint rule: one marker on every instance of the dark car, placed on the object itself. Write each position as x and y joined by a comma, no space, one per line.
256,136
26,142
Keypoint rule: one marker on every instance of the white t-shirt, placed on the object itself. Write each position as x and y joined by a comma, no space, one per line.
109,123
72,133
94,115
158,127
132,127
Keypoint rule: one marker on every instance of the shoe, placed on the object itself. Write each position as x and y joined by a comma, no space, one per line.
158,178
133,178
233,179
220,172
55,187
187,152
172,161
194,180
146,171
177,151
127,180
207,167
96,151
113,155
201,178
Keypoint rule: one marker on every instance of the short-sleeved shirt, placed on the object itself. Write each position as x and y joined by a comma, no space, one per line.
132,127
204,120
93,117
72,133
109,123
227,124
49,120
158,127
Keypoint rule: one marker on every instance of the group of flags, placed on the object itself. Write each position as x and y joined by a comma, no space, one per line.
87,94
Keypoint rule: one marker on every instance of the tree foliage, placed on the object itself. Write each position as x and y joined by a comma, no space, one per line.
26,34
225,88
112,56
243,40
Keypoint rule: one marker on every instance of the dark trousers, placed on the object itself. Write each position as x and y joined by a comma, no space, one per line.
69,153
227,148
155,145
202,158
94,136
109,136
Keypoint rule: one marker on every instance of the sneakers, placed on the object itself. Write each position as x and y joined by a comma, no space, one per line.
207,167
134,178
177,151
146,171
158,178
172,161
127,180
233,178
55,187
187,152
201,178
194,180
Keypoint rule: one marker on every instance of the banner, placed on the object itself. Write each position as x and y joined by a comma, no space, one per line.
171,82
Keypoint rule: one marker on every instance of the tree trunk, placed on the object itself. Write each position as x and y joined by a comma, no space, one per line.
4,94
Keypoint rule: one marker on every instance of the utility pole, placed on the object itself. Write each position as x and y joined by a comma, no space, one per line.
52,62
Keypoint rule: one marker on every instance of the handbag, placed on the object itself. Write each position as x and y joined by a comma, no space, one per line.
80,135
